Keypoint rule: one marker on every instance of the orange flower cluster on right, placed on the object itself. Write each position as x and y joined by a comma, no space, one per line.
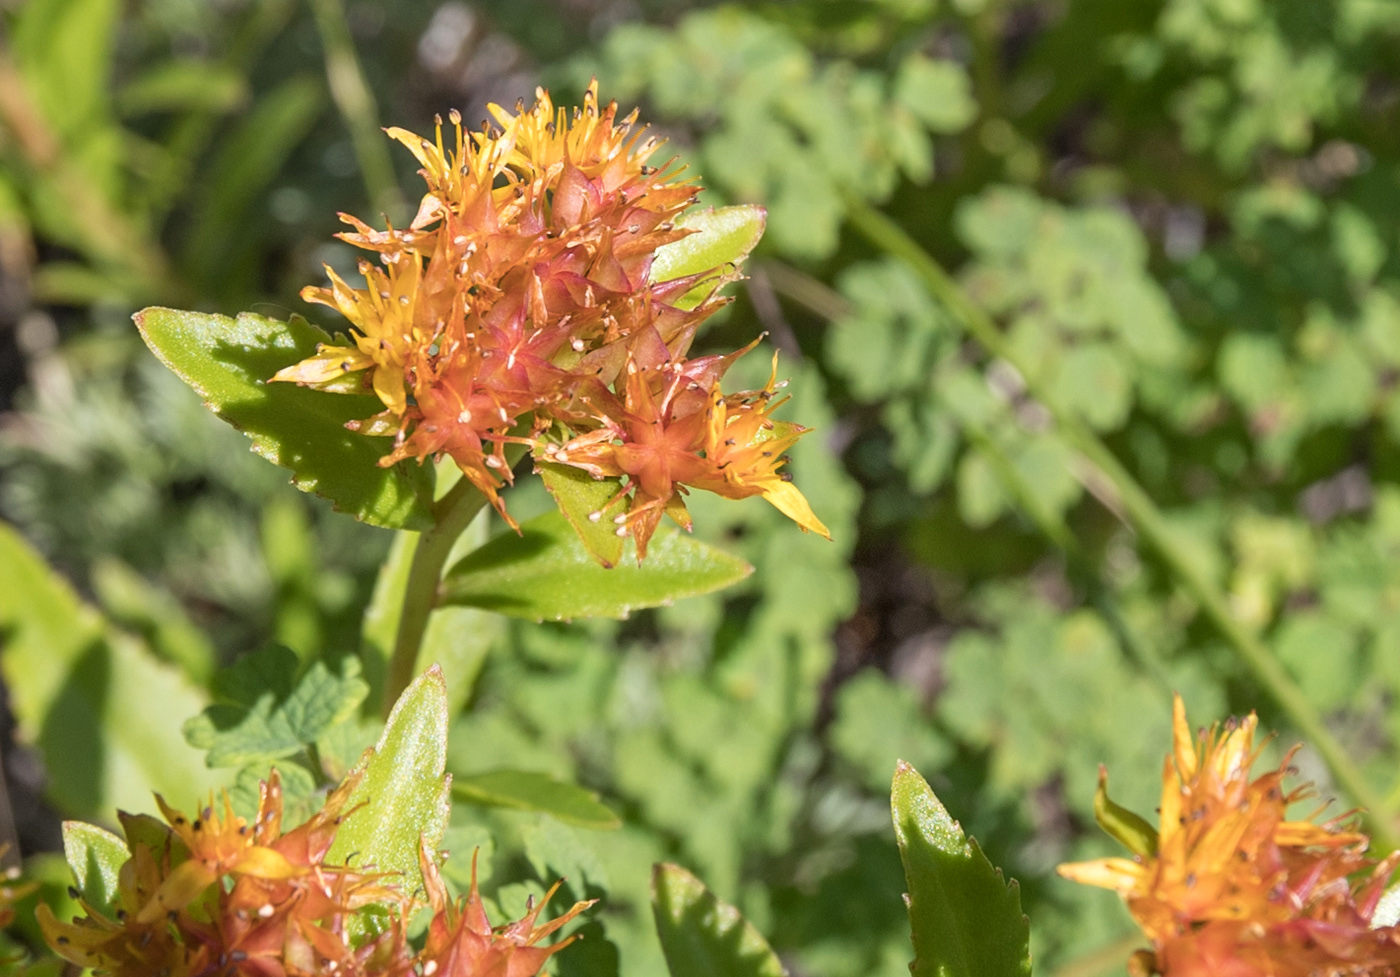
1228,886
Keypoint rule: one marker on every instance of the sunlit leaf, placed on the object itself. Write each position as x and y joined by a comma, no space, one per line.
403,786
269,712
83,693
130,601
584,502
723,237
228,361
938,92
1388,909
965,919
703,937
546,573
95,856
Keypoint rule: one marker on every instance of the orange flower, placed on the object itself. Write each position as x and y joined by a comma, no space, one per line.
1228,885
270,906
462,943
217,894
518,308
674,428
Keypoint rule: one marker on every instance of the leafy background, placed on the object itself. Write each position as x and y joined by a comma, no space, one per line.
1181,213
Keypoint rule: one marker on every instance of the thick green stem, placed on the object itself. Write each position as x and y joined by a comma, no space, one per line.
1143,515
452,514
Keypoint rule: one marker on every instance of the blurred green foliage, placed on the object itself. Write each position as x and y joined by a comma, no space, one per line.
1182,213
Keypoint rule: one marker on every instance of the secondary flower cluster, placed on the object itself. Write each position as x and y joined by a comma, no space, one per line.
219,896
519,306
1227,886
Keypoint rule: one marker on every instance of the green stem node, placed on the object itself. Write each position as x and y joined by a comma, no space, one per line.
452,514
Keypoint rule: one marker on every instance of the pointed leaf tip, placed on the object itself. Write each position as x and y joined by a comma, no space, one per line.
965,920
403,786
95,856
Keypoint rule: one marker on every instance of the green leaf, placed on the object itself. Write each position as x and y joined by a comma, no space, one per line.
529,791
268,714
183,85
722,237
403,787
1332,679
83,693
557,851
584,502
227,362
95,856
1125,826
965,920
939,93
878,718
546,573
1093,380
300,799
703,937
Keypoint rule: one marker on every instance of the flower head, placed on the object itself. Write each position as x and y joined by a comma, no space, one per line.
462,942
1229,885
215,894
518,308
218,895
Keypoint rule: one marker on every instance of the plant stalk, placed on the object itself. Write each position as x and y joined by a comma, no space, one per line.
1143,515
452,514
351,94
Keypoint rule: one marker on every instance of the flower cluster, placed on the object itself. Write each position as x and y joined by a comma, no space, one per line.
1227,886
519,307
462,943
219,896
